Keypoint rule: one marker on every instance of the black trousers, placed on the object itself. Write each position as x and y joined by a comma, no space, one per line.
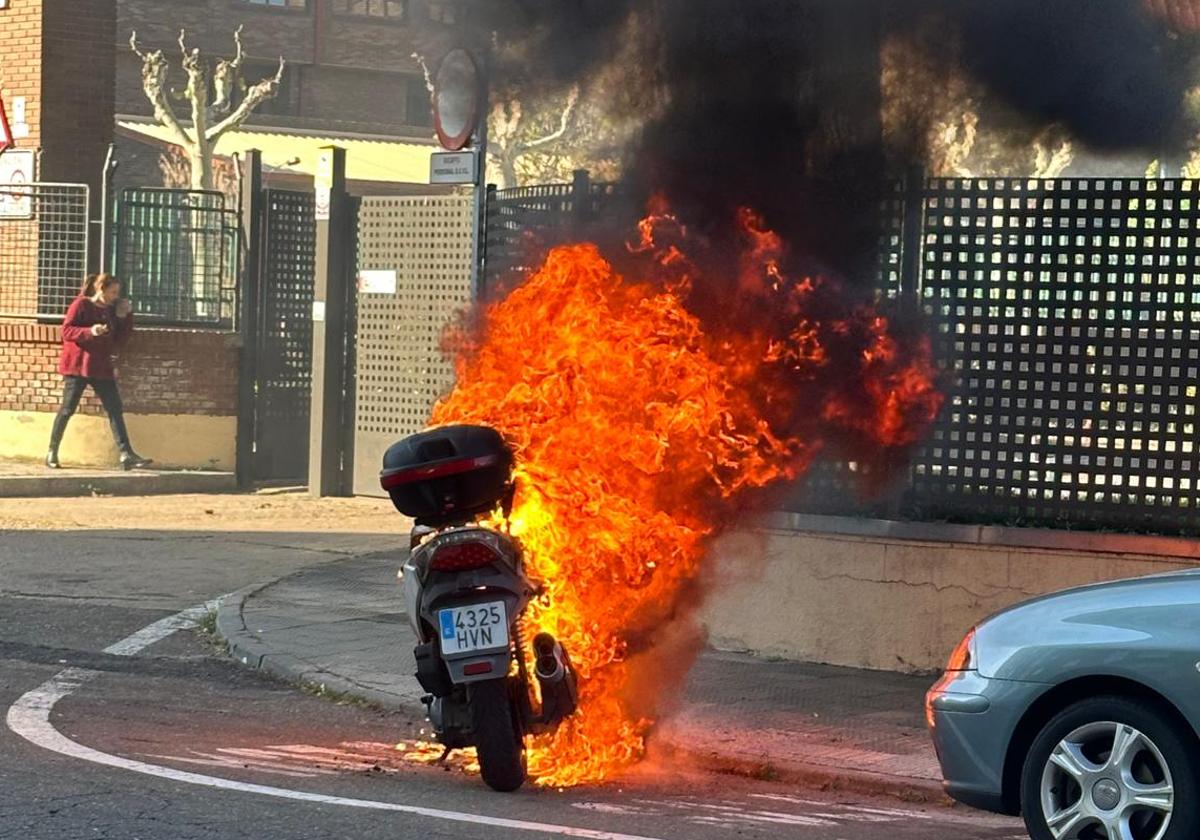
110,398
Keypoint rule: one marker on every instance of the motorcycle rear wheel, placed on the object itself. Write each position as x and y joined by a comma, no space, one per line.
497,738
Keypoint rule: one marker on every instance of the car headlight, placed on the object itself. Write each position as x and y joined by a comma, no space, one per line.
964,657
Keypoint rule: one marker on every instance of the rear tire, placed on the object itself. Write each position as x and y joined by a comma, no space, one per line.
497,739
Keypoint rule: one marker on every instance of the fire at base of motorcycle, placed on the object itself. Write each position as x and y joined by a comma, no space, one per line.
466,592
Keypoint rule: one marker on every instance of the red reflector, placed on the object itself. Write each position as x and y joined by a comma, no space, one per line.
478,668
458,557
441,469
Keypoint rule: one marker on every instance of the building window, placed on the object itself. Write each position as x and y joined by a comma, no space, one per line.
443,13
419,111
280,4
387,9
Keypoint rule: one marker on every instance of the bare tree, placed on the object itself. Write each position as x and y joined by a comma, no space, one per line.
513,136
212,105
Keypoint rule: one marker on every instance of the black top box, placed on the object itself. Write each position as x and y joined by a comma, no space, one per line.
447,474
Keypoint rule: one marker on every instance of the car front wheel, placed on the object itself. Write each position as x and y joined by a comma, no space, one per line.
1111,768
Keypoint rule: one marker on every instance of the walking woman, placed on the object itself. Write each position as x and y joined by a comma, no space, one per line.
97,324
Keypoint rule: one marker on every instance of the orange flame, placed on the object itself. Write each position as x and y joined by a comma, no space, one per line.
637,428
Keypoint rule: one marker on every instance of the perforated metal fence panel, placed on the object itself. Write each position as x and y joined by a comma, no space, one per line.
414,260
1067,314
43,247
284,358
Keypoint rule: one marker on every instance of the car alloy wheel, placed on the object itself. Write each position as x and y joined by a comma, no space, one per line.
1107,781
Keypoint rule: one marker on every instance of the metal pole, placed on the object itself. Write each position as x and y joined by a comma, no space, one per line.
105,178
479,245
329,324
252,249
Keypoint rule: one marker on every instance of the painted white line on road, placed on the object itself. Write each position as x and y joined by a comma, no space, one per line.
160,629
29,718
234,764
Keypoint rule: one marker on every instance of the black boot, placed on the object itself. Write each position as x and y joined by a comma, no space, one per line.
130,460
56,435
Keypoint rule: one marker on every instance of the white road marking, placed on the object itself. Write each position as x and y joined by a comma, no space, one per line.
233,764
160,629
29,717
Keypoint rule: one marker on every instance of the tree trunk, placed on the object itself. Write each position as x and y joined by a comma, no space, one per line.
201,155
204,262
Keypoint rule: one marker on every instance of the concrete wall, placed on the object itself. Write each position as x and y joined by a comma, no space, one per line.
899,597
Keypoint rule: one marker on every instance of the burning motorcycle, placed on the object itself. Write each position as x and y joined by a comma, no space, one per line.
465,593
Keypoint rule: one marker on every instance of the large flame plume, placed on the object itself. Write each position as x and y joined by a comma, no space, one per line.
644,419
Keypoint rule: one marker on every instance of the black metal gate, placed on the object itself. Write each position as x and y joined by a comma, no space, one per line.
284,351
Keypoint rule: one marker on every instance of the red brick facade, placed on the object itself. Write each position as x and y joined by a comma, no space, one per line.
161,372
21,72
55,56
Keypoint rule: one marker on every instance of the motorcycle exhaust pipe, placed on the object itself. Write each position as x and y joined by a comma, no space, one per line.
560,694
550,664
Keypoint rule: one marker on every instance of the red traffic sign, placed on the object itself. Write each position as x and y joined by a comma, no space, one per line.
457,99
6,138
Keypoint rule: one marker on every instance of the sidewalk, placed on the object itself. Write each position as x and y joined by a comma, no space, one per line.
341,625
22,479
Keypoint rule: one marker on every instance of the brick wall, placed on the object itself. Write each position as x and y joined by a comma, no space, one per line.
78,84
21,69
161,372
28,370
56,56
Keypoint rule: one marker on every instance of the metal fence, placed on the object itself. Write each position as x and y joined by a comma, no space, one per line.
523,222
1065,315
43,247
177,253
283,383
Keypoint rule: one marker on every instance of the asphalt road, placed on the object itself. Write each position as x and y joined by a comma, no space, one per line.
174,740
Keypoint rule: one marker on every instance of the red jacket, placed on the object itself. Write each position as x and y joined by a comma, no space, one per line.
88,355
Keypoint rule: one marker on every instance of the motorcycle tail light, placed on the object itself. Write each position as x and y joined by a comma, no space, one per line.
459,557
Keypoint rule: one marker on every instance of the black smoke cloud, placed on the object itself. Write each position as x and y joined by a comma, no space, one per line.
775,104
1108,71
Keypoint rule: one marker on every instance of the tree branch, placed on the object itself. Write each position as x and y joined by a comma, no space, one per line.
420,59
563,124
227,78
154,83
257,94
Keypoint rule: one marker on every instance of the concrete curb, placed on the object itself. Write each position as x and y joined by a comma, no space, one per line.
813,775
250,650
130,484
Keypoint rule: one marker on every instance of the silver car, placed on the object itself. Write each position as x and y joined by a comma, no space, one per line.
1080,710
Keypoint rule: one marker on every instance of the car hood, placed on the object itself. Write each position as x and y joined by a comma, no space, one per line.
1127,588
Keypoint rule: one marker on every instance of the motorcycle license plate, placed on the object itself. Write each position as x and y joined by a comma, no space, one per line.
477,627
